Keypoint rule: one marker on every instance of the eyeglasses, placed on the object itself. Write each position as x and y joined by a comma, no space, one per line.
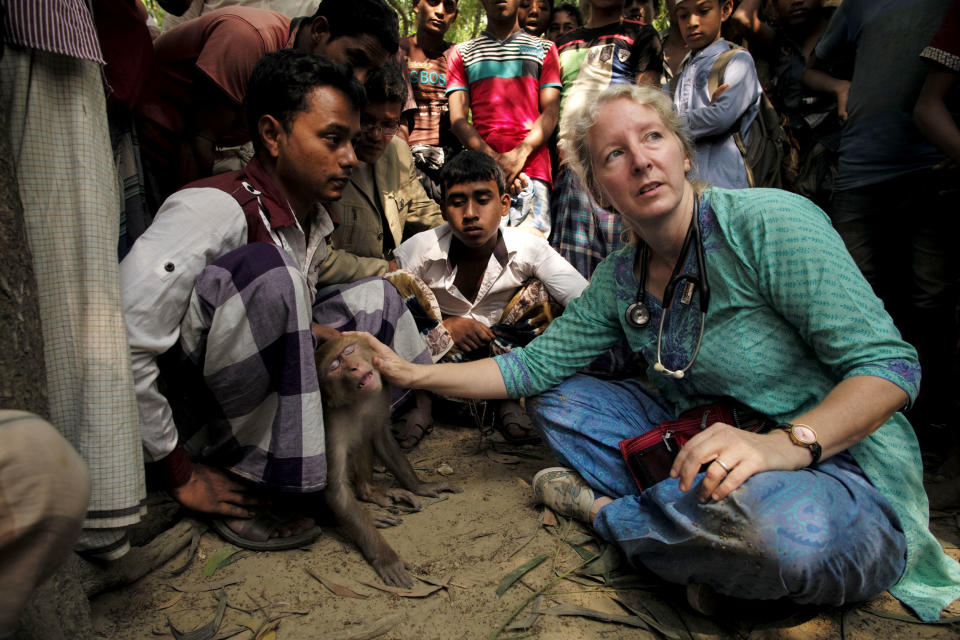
386,128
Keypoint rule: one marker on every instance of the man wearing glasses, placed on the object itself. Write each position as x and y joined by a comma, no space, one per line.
384,201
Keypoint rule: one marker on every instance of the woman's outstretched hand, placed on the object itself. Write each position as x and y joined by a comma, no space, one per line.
392,367
732,456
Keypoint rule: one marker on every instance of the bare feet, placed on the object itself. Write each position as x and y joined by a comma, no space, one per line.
416,424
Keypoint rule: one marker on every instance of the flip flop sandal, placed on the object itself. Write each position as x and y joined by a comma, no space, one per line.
408,441
521,421
254,533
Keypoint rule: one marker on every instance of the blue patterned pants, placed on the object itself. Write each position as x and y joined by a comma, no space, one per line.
822,535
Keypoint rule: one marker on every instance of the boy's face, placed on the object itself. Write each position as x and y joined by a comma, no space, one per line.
533,16
435,15
797,11
700,20
642,10
362,51
561,22
378,125
473,210
500,10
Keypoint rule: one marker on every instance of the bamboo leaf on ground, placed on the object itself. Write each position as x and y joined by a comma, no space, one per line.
583,552
336,589
445,582
384,626
583,612
207,631
268,631
223,557
524,623
214,587
518,573
195,534
419,591
496,633
581,538
169,603
660,616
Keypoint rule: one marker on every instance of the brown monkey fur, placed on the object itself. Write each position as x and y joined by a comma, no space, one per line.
356,413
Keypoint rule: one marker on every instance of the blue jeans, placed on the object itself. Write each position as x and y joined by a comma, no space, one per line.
822,535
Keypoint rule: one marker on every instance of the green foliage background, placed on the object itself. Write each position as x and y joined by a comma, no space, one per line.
469,23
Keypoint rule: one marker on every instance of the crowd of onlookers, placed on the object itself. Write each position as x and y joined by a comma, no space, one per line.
277,110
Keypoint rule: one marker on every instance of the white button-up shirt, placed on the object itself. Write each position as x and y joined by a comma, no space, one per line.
519,257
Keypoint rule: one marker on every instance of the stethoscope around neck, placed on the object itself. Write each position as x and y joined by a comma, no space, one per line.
638,314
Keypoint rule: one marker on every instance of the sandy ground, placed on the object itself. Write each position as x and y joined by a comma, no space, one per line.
468,543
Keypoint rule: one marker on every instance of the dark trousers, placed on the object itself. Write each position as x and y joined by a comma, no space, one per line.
901,233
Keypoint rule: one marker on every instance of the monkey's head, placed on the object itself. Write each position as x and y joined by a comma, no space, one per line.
346,372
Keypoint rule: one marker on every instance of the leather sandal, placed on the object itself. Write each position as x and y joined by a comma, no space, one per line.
508,423
412,434
254,533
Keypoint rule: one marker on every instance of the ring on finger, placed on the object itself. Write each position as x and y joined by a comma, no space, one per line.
720,462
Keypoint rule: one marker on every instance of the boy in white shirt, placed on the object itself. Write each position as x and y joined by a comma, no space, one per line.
478,270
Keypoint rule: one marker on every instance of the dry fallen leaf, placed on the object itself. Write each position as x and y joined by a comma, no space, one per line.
385,625
213,587
445,469
174,600
419,591
268,631
445,582
207,631
336,589
547,518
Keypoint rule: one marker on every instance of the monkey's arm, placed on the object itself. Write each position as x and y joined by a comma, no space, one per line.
479,379
359,527
349,448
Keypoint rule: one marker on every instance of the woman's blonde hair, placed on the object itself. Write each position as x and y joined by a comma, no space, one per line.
580,118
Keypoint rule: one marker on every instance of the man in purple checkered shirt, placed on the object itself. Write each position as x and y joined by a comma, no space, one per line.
221,303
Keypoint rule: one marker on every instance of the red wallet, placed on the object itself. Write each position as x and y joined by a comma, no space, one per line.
650,456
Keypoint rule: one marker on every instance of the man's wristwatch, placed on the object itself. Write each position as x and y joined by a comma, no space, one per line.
803,436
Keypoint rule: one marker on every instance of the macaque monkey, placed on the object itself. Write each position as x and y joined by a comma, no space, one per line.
356,412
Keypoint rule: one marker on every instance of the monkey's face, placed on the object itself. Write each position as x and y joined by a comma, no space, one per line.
345,370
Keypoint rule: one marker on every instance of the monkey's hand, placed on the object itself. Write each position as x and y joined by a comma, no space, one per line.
468,334
370,493
384,519
402,495
210,490
393,570
434,489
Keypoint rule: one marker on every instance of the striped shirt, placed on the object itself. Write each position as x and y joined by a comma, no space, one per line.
504,79
57,26
592,59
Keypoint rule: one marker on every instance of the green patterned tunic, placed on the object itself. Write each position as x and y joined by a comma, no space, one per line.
789,317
